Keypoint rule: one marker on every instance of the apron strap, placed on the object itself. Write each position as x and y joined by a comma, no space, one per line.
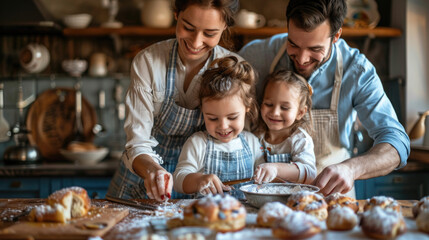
278,56
171,71
338,78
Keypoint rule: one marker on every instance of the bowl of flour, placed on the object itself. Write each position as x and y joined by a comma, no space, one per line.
259,194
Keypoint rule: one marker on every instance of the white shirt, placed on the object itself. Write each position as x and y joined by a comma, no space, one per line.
301,148
146,94
191,159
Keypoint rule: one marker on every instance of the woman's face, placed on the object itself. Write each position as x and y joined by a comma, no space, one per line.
224,118
198,31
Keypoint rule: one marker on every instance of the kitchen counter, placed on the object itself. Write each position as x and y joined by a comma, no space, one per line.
137,223
104,168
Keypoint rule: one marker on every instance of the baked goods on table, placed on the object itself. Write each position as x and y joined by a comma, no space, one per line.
270,212
296,225
81,146
383,202
382,223
220,213
342,200
62,205
422,220
341,218
420,205
309,202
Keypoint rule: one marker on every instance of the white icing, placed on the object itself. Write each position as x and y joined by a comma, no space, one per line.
273,210
298,222
340,214
381,219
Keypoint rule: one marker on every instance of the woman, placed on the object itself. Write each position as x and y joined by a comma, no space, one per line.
162,98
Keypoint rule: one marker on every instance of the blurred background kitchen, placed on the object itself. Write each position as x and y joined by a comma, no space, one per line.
56,51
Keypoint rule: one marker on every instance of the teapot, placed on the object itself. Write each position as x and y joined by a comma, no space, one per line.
156,13
248,19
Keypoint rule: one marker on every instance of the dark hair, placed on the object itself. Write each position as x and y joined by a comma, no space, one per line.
228,9
305,92
229,76
309,14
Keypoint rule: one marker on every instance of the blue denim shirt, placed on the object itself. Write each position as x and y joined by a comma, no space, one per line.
362,93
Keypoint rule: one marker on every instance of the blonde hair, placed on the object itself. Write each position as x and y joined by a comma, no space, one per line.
305,92
229,76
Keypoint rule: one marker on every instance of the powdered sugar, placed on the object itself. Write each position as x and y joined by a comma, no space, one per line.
298,222
381,219
274,210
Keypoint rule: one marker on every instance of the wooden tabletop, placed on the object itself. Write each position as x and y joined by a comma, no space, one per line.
136,223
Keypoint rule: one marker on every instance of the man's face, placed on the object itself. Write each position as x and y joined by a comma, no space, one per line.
309,50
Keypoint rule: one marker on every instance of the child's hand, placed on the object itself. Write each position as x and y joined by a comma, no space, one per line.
265,172
210,183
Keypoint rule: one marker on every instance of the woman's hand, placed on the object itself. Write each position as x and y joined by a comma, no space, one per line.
265,172
157,181
210,183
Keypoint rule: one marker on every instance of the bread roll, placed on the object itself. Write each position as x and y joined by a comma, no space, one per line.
309,202
48,213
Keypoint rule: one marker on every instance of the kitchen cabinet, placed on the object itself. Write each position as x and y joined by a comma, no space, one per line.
42,187
399,185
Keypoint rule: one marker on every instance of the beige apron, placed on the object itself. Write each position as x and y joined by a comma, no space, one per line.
327,146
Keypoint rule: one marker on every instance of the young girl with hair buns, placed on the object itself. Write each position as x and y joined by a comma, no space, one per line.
285,130
223,152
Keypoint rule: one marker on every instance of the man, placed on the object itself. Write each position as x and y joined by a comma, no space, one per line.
345,85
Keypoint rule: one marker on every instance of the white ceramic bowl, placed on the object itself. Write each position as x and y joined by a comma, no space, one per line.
81,20
88,158
75,67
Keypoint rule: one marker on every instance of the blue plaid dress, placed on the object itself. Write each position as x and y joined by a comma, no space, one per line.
171,129
230,166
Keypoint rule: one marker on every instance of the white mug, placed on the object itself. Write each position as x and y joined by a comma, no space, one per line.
100,64
247,19
34,57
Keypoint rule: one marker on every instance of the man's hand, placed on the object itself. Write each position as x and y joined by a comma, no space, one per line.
335,178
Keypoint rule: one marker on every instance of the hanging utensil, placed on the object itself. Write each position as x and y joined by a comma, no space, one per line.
99,129
419,127
4,125
78,135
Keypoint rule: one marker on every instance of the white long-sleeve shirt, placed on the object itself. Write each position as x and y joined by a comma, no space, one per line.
191,159
301,148
146,94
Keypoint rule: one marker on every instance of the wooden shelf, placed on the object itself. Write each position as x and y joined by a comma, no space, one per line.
383,32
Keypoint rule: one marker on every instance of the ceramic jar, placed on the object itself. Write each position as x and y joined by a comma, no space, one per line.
156,13
34,58
248,19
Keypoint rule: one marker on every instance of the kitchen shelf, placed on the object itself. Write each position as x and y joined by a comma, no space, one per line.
382,32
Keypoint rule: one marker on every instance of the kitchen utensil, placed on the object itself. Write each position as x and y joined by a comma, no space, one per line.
51,120
258,196
23,152
418,129
156,13
248,19
99,129
81,20
233,182
4,125
34,58
113,7
75,67
100,64
132,203
93,226
85,158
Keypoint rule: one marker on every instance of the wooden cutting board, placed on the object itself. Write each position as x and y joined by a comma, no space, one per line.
81,228
51,120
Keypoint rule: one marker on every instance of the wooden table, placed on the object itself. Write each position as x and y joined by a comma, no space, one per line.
136,223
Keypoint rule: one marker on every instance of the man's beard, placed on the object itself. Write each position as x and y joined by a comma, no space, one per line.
317,66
